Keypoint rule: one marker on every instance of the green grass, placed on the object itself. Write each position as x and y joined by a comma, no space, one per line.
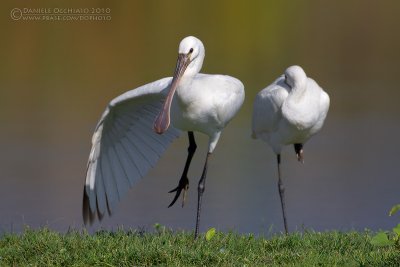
166,248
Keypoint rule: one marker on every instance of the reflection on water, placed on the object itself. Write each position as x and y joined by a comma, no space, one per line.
55,79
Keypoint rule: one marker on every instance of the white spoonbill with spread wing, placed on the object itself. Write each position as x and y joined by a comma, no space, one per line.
289,111
137,126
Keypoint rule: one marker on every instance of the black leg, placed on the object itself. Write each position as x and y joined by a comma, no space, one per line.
282,193
298,148
184,181
201,187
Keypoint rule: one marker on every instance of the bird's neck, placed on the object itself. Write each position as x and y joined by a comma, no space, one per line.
298,108
297,92
186,80
194,66
185,93
184,90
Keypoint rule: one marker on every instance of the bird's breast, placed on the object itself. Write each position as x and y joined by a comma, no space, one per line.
206,104
193,116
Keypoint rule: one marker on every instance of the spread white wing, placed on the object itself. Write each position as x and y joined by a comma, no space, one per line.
124,147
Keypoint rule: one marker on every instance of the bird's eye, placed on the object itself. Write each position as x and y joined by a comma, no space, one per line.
191,50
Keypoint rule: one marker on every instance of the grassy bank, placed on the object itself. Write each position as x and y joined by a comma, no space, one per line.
45,248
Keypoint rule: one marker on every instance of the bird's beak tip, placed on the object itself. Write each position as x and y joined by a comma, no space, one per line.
158,130
162,121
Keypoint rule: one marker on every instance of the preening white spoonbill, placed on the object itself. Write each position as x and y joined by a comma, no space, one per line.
137,126
289,111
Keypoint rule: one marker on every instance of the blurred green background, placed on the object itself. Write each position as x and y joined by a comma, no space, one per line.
56,77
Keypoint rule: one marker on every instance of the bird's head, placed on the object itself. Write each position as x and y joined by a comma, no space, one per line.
295,76
190,60
191,52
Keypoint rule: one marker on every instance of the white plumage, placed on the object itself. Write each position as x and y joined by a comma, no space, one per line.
289,111
286,114
134,130
124,145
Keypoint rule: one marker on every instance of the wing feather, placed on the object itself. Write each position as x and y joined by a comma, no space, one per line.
133,152
100,193
124,147
118,170
266,108
127,162
108,181
149,155
154,140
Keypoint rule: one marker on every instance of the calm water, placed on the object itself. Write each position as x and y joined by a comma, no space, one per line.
349,181
56,78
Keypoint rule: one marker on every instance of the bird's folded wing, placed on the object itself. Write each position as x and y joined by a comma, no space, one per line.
268,102
124,147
